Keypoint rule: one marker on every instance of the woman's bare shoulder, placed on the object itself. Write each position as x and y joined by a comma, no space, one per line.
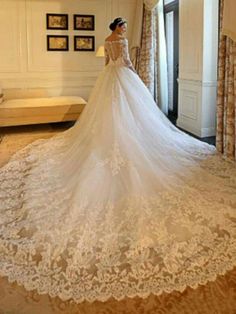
108,38
114,38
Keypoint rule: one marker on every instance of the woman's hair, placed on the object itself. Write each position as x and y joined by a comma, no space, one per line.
118,21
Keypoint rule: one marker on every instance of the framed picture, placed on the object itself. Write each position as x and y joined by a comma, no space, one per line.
84,22
57,21
57,42
84,43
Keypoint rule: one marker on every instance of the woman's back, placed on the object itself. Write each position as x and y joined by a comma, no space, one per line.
117,51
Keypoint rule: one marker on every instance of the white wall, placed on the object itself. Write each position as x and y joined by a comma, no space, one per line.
24,59
198,66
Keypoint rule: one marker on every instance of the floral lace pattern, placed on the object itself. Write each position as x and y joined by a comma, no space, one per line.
116,51
115,161
132,262
134,207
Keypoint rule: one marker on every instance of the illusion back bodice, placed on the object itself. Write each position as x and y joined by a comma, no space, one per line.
117,53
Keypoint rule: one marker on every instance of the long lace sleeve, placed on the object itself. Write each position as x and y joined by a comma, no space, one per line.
126,57
107,58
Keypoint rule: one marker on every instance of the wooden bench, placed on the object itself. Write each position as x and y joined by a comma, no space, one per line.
35,110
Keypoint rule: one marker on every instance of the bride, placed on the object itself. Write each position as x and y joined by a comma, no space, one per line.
121,204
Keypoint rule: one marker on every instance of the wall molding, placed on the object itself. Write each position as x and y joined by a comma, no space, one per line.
189,105
23,82
198,46
200,132
29,65
197,82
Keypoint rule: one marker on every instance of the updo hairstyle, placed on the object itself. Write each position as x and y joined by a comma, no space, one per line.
118,21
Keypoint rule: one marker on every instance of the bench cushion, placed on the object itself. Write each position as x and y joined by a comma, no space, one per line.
40,110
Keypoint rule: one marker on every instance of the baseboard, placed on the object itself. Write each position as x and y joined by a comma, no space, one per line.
199,132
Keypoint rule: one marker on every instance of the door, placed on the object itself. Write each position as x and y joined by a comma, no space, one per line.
171,13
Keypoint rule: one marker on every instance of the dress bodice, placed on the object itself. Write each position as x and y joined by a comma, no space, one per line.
117,52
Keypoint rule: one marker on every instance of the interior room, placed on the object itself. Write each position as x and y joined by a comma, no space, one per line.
144,89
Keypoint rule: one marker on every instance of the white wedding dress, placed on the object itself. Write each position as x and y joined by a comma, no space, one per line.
121,204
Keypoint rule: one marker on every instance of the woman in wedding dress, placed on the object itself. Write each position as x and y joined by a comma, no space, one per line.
121,204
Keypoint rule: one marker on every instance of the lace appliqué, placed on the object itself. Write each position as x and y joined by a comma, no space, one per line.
130,247
64,233
115,160
118,50
133,247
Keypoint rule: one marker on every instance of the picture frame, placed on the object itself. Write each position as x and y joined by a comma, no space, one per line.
57,42
84,22
84,43
57,21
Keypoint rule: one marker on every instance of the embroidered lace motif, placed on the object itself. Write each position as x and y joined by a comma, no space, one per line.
122,204
117,50
134,246
115,160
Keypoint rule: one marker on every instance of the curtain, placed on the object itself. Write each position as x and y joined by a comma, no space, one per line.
147,59
151,4
152,65
137,29
226,102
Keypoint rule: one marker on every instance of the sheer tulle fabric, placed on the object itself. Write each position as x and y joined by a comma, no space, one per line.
121,204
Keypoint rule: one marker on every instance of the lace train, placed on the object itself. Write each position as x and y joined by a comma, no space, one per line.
122,204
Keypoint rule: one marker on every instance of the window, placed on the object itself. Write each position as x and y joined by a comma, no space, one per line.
171,12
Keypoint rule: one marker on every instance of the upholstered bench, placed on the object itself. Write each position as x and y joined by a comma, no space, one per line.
40,110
